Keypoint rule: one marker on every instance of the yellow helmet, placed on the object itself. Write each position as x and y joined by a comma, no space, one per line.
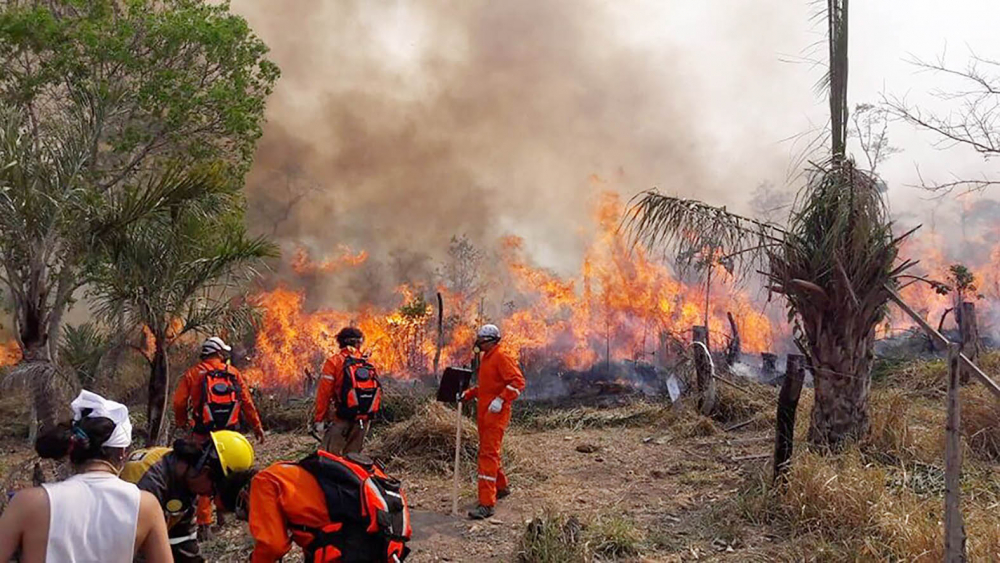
234,451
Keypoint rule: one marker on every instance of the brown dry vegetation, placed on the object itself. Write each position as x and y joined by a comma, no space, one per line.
660,482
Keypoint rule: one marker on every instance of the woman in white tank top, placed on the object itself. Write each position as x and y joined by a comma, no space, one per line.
93,516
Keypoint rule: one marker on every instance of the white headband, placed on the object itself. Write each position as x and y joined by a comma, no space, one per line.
101,407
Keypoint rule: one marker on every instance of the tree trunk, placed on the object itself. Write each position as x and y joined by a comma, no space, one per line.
40,374
842,372
156,409
733,351
440,339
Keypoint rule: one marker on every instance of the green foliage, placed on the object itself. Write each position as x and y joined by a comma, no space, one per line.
82,348
416,309
167,80
963,280
186,263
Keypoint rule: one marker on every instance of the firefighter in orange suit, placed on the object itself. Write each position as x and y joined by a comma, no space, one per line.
500,382
190,397
288,503
339,436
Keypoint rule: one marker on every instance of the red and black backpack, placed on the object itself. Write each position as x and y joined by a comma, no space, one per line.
369,517
360,392
220,402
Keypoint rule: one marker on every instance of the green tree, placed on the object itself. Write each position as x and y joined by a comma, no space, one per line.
82,348
832,263
51,221
96,96
188,266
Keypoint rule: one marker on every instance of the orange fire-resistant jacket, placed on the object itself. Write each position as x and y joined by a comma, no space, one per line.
191,386
499,376
284,494
328,390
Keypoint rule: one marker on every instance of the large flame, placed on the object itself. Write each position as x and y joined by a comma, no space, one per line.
620,306
10,353
935,264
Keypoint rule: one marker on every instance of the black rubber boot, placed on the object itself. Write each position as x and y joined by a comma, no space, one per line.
481,512
503,493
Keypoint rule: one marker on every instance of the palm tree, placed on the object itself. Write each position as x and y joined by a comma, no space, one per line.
178,272
51,219
832,262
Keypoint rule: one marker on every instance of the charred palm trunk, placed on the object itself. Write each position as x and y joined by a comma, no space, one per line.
158,381
37,360
842,368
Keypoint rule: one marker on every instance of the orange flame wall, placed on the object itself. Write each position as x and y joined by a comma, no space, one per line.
621,300
934,264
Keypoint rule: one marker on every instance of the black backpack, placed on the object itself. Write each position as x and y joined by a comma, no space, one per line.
369,517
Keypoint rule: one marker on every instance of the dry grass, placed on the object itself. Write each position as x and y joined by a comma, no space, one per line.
555,538
846,502
614,537
882,499
552,538
981,422
753,401
427,440
904,428
640,413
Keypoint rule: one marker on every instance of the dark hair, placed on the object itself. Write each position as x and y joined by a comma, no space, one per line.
349,336
193,455
81,441
229,489
188,451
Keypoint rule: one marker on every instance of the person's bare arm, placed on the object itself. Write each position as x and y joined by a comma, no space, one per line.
15,520
152,531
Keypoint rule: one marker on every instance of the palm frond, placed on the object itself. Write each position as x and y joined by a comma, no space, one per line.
692,227
81,348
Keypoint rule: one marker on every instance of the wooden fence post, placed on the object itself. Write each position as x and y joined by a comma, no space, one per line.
788,403
704,368
954,529
968,329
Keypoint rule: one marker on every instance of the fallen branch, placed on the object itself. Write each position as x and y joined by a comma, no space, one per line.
751,457
740,425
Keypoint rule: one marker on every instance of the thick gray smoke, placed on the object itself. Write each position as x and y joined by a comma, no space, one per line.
397,125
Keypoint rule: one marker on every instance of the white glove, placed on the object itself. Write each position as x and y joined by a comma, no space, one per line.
496,405
319,427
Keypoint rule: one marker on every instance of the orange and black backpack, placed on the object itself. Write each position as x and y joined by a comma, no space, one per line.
369,517
220,402
360,392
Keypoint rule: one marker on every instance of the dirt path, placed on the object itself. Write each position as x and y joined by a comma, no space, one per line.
658,482
661,484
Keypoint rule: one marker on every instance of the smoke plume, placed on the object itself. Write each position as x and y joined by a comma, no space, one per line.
398,125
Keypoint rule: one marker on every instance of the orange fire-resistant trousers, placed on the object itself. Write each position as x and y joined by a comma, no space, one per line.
491,430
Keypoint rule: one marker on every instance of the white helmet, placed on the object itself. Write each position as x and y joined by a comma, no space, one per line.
214,345
488,332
